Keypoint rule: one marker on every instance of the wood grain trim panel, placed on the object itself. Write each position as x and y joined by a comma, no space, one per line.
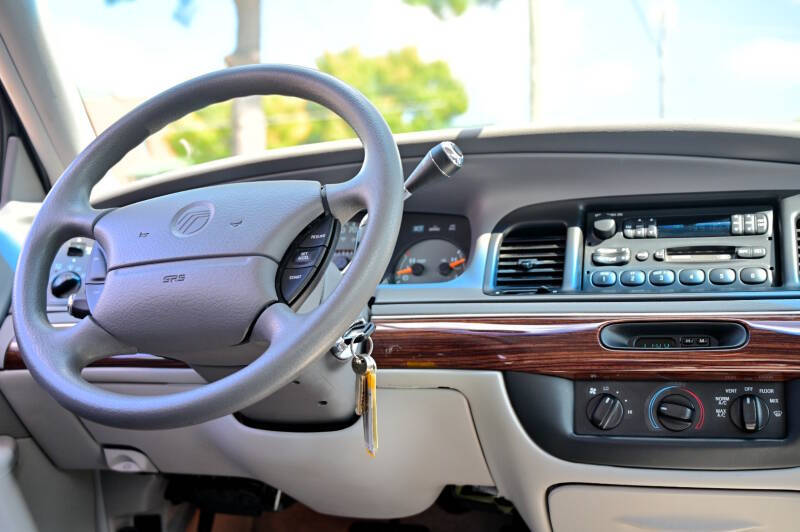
565,346
569,346
13,360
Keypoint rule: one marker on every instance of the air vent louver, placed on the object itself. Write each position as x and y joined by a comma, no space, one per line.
797,238
531,259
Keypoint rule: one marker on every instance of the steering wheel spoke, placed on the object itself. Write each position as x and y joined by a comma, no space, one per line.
277,320
85,342
347,199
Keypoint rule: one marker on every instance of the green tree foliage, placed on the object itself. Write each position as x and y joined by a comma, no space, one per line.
442,8
411,94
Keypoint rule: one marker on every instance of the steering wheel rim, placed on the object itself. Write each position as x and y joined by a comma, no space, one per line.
56,356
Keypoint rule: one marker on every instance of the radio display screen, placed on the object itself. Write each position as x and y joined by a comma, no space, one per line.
716,225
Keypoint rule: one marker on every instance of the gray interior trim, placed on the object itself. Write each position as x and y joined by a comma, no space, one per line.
58,499
10,425
14,512
50,110
63,438
20,180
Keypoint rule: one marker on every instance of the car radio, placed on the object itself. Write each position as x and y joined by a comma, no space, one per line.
680,250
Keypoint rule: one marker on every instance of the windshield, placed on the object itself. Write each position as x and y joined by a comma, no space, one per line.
429,64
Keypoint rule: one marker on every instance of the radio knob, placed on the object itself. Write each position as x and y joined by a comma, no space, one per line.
605,228
749,413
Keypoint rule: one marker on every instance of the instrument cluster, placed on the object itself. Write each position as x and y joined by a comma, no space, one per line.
431,248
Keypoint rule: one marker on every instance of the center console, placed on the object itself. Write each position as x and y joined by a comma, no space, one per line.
680,250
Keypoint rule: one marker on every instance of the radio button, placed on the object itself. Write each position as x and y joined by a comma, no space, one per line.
661,254
737,224
758,253
642,255
604,278
632,278
611,256
662,277
749,224
753,275
762,224
722,276
692,277
745,253
627,229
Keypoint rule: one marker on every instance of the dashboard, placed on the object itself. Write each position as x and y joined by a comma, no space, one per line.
624,299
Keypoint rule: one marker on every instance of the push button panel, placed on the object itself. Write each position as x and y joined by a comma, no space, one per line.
681,250
306,259
680,409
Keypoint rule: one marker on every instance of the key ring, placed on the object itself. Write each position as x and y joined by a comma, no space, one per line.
371,345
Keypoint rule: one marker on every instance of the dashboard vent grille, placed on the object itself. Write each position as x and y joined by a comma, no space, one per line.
531,259
797,238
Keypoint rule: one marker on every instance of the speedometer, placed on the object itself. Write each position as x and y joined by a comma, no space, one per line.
429,261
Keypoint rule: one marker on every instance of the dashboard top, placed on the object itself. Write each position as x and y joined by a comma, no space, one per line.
538,176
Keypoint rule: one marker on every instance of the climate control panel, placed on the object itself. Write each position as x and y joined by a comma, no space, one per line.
680,410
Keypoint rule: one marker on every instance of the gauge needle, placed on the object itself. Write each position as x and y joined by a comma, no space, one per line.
404,271
457,263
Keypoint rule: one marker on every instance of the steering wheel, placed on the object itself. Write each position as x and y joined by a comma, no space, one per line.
211,283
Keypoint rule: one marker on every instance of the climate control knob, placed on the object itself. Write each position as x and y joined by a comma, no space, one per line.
605,411
675,412
749,413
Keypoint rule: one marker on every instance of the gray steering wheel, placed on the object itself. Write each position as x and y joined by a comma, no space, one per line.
225,265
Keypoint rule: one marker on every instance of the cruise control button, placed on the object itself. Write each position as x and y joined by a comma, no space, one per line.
722,276
306,257
320,233
753,275
294,280
692,277
662,277
604,278
632,278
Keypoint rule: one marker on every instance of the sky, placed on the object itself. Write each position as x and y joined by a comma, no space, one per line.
724,60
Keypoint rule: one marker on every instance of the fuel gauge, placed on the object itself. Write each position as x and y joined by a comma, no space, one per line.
430,261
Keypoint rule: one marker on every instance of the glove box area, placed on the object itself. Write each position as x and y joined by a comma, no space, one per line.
616,508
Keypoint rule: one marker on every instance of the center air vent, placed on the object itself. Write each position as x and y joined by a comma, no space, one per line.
531,259
797,238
